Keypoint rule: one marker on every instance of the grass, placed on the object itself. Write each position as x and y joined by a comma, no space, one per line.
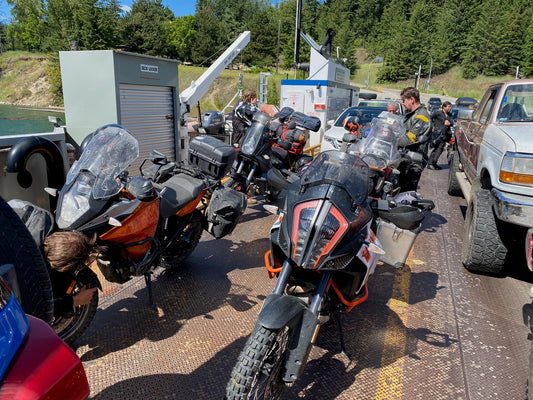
451,83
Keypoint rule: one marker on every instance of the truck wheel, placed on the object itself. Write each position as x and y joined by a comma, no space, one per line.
483,248
454,189
17,247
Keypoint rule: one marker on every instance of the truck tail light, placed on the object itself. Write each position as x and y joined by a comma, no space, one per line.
321,107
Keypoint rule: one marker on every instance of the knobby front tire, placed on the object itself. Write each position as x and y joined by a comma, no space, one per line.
260,367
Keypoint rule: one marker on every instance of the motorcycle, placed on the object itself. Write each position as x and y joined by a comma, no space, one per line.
140,222
269,144
323,249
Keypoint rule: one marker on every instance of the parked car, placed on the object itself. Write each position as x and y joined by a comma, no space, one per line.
35,363
492,167
462,103
381,103
434,103
332,139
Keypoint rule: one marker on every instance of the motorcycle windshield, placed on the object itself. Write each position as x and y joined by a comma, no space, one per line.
253,138
340,169
380,147
108,154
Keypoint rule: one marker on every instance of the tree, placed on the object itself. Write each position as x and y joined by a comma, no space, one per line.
182,37
27,27
261,50
144,28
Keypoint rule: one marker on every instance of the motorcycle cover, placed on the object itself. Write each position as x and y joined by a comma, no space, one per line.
224,210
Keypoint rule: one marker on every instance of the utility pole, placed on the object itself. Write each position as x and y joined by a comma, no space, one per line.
277,49
430,67
297,36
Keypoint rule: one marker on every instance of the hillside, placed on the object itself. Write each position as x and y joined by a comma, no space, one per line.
24,80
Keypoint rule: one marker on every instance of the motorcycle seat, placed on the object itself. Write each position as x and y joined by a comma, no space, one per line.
181,189
404,217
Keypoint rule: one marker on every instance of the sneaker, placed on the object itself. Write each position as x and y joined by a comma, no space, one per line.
434,167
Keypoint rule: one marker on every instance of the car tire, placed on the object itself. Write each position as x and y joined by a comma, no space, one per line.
17,247
483,249
454,189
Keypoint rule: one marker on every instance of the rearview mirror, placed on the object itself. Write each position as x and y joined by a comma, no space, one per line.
465,114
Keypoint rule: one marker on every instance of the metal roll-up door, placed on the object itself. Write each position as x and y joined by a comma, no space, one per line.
147,112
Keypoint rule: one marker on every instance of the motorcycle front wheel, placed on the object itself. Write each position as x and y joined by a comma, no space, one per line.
260,367
70,327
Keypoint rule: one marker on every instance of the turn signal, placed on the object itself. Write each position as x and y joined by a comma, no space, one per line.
516,169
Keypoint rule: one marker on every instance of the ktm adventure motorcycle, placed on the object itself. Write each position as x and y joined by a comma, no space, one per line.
140,222
322,250
264,148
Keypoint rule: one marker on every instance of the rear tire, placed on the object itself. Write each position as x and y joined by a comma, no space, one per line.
72,327
17,247
483,248
454,189
259,369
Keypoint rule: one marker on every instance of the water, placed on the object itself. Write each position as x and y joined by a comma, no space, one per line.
15,120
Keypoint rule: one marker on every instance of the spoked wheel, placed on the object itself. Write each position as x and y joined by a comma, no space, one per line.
183,247
70,327
260,367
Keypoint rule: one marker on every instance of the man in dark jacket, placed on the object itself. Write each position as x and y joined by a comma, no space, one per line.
442,122
418,129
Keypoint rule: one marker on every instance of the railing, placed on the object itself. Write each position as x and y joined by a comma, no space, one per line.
312,150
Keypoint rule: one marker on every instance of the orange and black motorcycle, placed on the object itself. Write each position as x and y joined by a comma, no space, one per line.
142,222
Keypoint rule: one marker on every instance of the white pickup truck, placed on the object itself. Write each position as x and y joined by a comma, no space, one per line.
492,167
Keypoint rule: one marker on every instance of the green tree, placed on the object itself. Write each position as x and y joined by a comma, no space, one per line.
261,50
144,28
182,37
27,27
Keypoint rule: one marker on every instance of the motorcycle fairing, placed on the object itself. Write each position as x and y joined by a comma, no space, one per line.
329,199
137,227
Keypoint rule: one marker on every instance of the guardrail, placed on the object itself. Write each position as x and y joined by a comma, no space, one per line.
312,150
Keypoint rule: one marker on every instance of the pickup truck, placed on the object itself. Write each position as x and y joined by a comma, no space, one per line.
491,165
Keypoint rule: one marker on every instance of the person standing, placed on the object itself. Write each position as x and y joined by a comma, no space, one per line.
242,115
442,122
416,139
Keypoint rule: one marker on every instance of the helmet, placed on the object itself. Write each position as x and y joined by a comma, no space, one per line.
351,123
245,112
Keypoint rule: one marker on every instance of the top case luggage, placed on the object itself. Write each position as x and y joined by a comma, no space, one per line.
211,155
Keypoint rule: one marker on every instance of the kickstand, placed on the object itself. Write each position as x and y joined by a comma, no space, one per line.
337,317
148,280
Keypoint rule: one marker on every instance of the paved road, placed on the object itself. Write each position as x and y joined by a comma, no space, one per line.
387,93
429,331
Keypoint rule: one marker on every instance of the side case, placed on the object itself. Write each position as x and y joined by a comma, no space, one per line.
223,212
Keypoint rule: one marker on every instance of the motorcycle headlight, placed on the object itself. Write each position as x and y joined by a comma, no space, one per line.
517,168
332,141
315,232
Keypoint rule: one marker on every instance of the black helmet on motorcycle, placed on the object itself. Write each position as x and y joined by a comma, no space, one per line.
245,112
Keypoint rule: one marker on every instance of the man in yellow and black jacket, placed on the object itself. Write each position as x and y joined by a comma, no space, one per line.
416,140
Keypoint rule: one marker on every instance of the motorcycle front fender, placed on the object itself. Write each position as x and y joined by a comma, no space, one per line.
279,311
